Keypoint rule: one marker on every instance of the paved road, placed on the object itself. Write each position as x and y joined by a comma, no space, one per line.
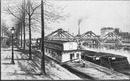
25,69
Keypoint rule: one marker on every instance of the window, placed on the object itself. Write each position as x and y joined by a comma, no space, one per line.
49,51
77,55
46,49
71,56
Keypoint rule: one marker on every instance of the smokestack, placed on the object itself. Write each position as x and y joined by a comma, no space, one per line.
79,21
79,30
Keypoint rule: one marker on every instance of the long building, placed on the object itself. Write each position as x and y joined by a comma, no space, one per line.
115,39
61,45
62,50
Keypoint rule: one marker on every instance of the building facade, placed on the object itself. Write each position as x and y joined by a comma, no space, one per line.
62,51
106,30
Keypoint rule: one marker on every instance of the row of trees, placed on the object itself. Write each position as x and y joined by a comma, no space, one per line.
26,16
4,29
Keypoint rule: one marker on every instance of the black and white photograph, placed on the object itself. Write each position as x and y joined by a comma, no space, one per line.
65,39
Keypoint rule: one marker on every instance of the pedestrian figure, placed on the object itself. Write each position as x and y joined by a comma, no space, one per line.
83,63
8,43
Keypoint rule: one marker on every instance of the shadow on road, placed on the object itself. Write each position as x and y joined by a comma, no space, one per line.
7,50
7,63
21,59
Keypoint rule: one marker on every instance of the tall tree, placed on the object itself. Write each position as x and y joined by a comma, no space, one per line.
30,11
51,14
0,26
3,28
29,20
3,25
21,34
42,40
18,13
6,31
24,24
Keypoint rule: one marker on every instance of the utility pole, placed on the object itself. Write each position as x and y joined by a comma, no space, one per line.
42,39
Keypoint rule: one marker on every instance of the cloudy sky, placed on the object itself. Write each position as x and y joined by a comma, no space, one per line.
93,15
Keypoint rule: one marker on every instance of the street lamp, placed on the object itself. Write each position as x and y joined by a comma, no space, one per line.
12,31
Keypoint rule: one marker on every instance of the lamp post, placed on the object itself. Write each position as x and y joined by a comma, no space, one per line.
12,59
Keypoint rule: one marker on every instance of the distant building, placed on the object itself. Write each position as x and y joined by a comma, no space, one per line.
125,36
111,41
106,30
113,37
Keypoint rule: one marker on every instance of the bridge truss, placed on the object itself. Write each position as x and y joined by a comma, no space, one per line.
60,35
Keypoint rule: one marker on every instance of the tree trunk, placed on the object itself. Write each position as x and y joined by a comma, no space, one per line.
21,33
24,36
0,25
30,54
17,38
42,40
2,33
24,26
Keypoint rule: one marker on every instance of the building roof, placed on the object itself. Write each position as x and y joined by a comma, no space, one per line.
77,50
55,47
101,54
56,41
60,34
105,28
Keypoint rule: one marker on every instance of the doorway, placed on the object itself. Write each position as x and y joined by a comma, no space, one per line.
71,56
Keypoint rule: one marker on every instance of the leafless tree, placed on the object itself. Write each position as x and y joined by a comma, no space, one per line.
3,25
0,25
18,11
42,40
5,29
30,11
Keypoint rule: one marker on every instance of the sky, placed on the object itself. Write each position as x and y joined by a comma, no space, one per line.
93,16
